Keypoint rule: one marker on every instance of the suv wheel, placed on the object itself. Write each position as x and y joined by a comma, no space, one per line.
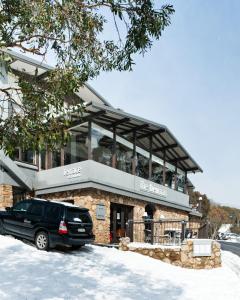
41,241
1,228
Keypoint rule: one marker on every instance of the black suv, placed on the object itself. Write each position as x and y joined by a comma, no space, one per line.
48,223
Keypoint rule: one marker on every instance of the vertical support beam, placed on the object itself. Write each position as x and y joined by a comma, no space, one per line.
134,154
89,140
150,158
175,177
164,167
114,156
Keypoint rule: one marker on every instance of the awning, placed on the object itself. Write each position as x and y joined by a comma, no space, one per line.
132,127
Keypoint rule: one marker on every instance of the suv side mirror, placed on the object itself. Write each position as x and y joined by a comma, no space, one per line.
8,208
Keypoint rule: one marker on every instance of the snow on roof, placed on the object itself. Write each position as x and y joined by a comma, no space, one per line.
59,202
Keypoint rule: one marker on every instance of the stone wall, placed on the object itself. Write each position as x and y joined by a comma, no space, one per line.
163,212
181,256
6,196
89,198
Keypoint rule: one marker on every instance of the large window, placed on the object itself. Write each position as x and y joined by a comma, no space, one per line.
56,158
102,142
124,158
76,149
142,166
157,173
28,156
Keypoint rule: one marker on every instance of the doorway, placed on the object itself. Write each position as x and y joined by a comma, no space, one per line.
119,215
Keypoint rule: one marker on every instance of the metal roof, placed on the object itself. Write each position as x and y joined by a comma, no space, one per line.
163,141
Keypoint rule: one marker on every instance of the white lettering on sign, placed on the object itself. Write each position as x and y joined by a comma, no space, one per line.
72,173
152,188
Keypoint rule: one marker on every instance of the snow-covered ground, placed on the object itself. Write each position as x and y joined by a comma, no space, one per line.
103,273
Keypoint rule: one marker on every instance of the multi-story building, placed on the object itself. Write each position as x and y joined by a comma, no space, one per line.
118,165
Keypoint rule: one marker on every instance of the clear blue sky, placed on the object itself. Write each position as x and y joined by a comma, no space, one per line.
190,82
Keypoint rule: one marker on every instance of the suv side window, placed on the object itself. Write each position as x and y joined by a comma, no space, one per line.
21,206
52,212
36,209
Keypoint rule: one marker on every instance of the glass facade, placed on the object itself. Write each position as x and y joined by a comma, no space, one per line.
76,149
124,157
142,166
102,145
102,148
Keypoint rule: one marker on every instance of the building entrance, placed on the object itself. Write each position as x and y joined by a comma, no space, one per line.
119,215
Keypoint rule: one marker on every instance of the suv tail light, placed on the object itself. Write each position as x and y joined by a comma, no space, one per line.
63,228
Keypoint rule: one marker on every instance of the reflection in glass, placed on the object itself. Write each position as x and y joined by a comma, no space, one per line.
123,158
157,173
76,149
27,156
101,146
56,158
142,167
180,183
43,159
169,178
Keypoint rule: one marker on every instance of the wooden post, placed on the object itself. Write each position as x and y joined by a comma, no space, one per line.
150,158
134,154
114,156
89,140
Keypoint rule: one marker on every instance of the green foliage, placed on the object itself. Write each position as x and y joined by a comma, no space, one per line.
73,32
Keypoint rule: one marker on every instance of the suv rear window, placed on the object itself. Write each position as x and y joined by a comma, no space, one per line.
77,215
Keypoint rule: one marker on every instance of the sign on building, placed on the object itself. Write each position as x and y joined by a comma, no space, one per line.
100,211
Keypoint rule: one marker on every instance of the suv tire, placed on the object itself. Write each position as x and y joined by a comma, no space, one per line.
42,241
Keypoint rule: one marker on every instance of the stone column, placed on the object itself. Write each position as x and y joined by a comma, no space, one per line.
6,196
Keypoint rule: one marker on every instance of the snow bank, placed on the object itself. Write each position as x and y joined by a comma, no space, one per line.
103,273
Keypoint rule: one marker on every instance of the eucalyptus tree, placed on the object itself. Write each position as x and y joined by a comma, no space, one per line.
74,32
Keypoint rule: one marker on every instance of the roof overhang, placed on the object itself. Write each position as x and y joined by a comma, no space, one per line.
130,127
32,67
